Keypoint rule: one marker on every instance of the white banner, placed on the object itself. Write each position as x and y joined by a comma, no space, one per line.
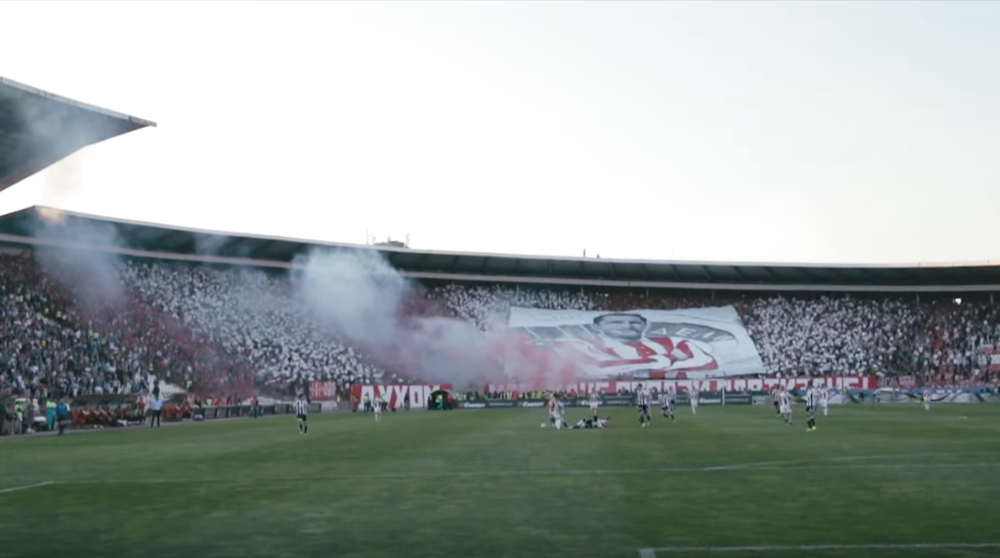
656,344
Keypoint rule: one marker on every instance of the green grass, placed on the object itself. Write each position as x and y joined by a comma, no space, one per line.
490,484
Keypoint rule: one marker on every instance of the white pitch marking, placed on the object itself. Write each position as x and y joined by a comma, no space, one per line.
815,547
647,553
772,464
25,487
571,472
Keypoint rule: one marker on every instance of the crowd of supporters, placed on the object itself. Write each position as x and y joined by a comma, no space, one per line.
225,332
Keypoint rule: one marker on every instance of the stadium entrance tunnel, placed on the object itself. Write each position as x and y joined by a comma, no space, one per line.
440,400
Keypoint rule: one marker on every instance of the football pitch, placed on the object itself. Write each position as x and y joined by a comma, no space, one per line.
734,482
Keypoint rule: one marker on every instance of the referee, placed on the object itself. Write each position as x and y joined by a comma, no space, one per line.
302,414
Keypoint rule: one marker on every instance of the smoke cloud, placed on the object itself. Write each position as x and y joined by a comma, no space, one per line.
75,253
52,136
355,295
369,304
81,256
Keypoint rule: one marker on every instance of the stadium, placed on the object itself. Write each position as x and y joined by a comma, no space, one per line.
110,315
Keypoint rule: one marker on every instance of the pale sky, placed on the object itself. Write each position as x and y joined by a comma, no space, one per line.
844,132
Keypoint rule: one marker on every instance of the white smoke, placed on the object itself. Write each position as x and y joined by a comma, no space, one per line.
363,300
79,255
90,273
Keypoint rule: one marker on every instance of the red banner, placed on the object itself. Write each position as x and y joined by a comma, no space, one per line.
729,384
907,382
395,394
322,391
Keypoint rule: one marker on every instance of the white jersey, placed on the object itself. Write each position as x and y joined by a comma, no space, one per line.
594,400
785,401
693,394
377,404
927,396
824,397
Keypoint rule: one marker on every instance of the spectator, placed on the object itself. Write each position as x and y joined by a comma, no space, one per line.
231,333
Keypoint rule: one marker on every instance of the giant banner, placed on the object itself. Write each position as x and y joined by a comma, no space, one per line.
657,344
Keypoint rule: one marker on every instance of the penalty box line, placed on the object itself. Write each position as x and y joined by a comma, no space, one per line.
651,552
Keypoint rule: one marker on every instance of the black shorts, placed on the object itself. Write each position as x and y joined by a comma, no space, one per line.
303,418
644,409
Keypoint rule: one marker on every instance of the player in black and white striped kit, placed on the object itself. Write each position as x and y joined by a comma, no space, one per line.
643,400
812,400
668,402
302,414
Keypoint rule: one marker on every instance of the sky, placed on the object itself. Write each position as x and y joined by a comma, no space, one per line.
827,132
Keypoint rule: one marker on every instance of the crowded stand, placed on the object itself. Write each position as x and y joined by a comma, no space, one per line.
228,333
250,314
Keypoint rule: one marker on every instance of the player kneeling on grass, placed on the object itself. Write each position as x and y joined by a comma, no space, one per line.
302,414
643,400
593,422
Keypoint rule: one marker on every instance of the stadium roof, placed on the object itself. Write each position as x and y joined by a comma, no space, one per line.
41,225
38,128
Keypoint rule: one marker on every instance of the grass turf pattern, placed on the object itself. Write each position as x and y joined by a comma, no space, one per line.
493,484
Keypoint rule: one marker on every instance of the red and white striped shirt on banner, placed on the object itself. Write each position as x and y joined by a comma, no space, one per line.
659,353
